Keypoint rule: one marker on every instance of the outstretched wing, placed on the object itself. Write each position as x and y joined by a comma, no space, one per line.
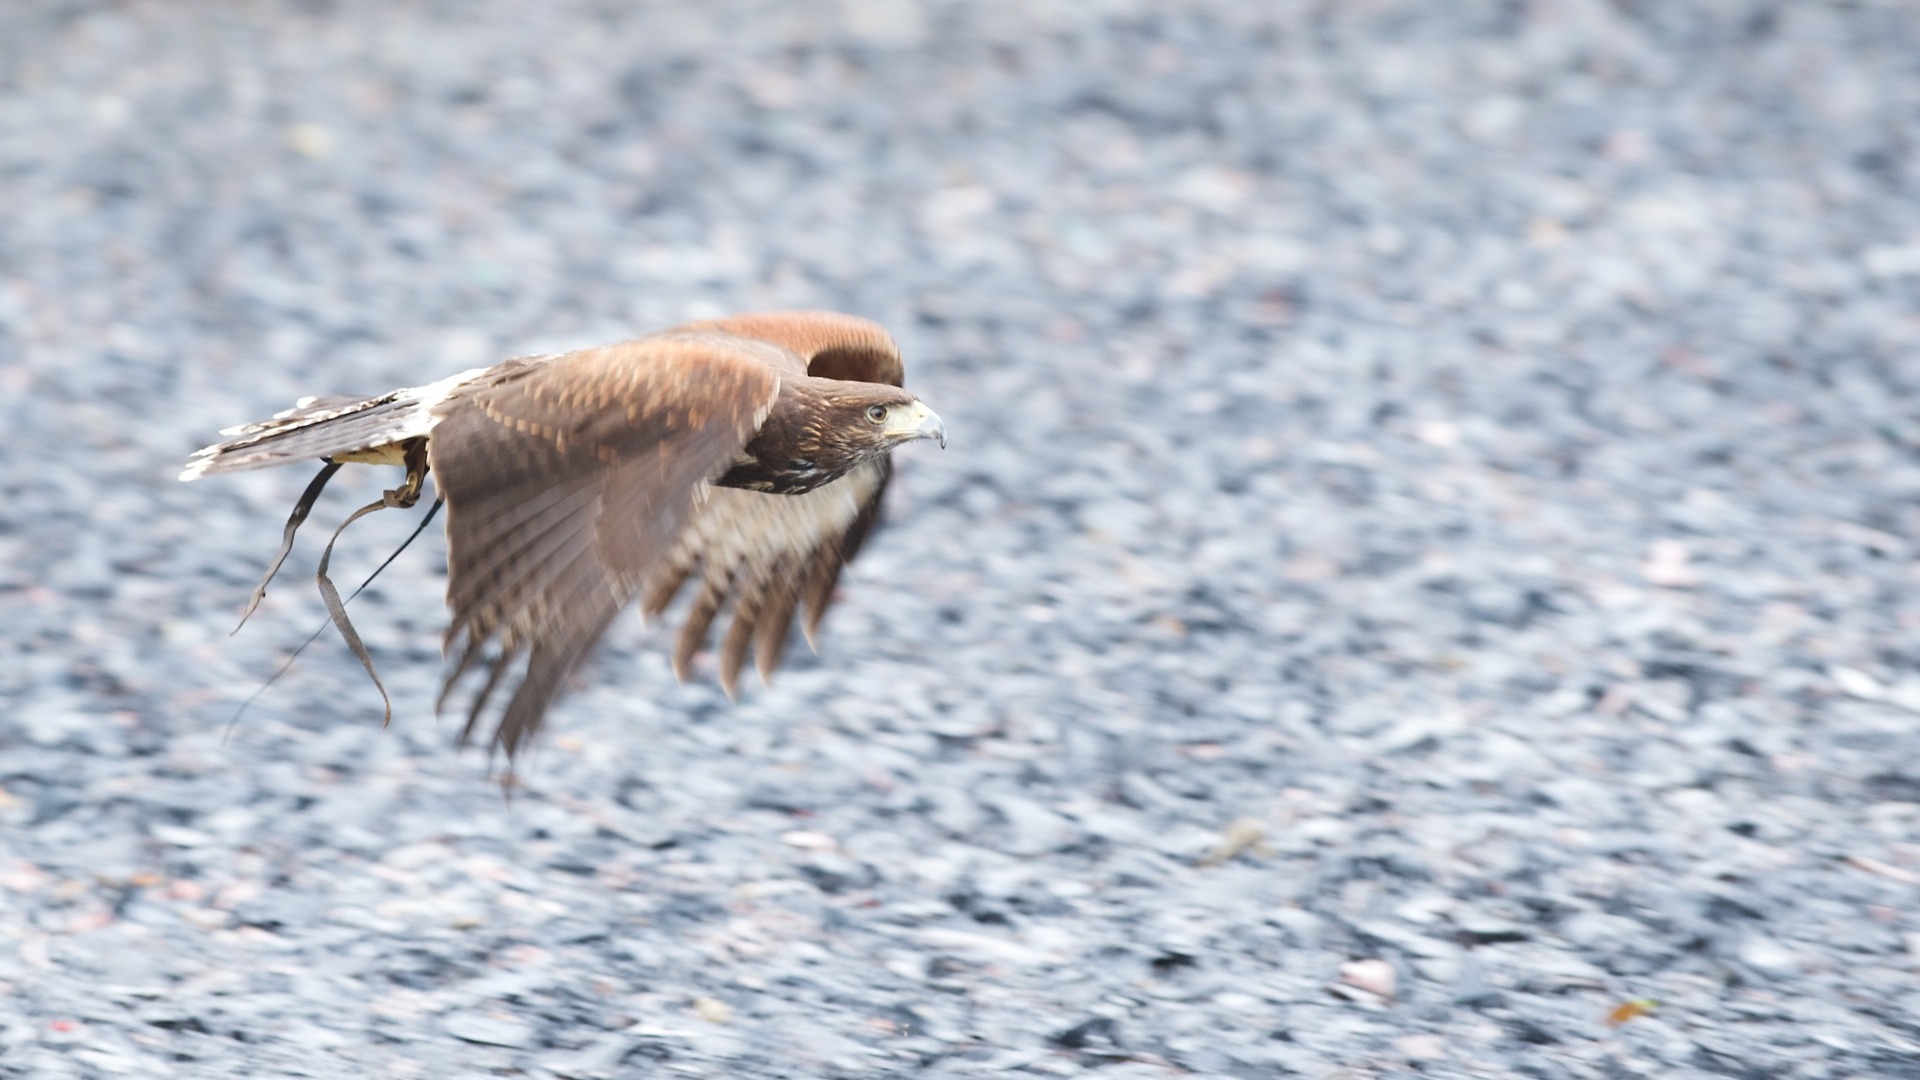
769,554
568,484
772,554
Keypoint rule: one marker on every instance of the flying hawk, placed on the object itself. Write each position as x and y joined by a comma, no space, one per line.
748,454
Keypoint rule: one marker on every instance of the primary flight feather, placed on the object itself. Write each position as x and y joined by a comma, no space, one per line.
747,455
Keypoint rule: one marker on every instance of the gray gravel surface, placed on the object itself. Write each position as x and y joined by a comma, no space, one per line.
1425,556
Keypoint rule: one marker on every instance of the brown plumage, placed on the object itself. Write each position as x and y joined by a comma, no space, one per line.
747,455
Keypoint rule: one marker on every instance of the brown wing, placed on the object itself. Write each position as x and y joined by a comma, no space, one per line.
774,553
568,482
835,346
770,554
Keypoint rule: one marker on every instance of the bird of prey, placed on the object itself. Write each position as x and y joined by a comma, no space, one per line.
747,454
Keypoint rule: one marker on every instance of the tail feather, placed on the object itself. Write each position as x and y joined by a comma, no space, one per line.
307,410
327,427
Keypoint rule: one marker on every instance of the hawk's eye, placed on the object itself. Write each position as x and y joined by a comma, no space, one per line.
877,413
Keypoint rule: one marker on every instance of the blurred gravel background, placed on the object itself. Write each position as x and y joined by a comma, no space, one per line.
1426,554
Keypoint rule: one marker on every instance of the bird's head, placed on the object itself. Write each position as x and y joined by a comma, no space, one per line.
821,429
871,418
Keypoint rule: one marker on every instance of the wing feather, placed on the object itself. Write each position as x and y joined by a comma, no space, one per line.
774,624
568,485
776,553
509,568
768,553
836,346
699,619
824,574
733,648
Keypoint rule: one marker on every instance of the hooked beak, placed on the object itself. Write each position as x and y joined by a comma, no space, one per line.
918,422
